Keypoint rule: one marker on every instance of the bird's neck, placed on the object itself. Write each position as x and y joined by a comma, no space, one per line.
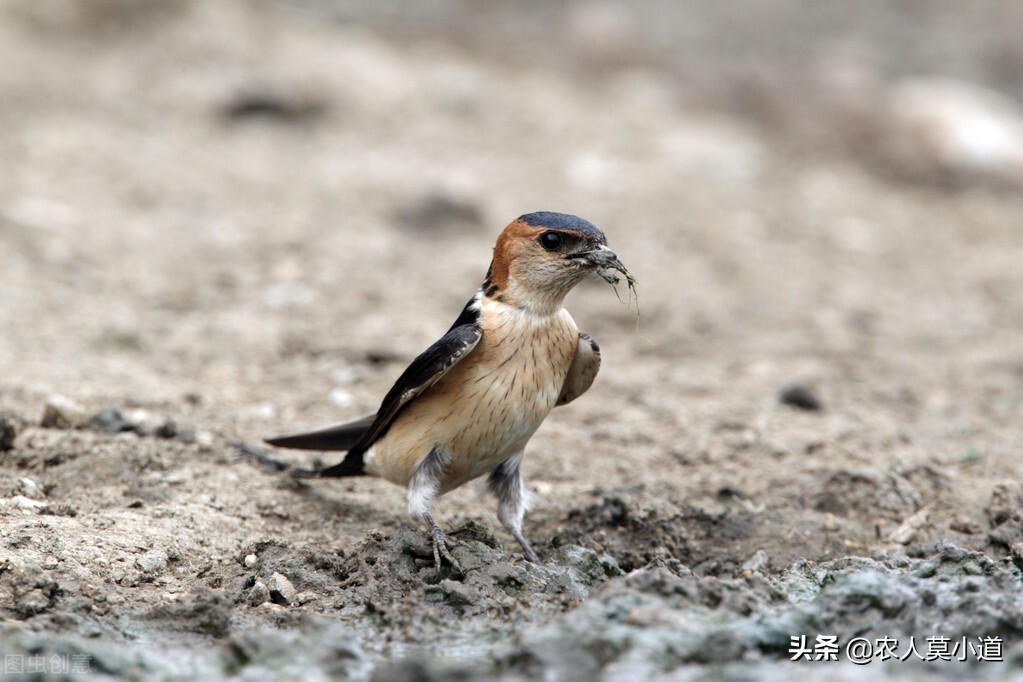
512,292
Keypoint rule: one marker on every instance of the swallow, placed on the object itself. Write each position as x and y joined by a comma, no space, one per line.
468,405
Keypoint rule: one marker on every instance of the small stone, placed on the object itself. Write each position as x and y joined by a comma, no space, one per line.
22,502
907,530
757,562
267,105
281,590
29,488
259,594
800,396
304,598
249,561
62,413
8,432
152,562
167,429
112,421
1006,503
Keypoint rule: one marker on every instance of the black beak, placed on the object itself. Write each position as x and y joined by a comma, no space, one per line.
599,256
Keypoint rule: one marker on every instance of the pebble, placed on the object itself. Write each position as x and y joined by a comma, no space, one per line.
167,429
152,562
249,561
112,421
23,502
800,396
281,590
61,412
259,594
29,488
8,432
757,562
150,423
268,105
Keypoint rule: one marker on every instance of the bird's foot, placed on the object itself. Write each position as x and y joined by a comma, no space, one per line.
441,545
527,551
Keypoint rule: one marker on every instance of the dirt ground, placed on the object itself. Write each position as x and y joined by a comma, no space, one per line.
228,220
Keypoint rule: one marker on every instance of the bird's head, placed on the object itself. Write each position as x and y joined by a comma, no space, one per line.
539,257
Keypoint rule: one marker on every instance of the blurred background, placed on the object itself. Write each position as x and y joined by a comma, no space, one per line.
241,208
182,174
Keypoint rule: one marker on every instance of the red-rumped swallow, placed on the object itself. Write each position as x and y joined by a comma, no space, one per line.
468,405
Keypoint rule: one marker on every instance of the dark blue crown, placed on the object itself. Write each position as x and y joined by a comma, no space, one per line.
563,221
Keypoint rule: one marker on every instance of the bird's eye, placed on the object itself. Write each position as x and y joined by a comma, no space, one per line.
550,240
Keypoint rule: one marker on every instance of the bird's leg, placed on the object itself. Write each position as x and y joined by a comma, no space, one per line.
422,488
441,542
512,501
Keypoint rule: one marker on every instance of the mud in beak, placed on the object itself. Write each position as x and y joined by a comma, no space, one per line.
607,263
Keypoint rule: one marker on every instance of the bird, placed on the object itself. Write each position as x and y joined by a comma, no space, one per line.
468,405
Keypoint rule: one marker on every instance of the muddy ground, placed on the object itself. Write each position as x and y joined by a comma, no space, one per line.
227,220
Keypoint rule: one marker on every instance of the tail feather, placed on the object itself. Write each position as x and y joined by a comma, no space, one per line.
350,466
336,437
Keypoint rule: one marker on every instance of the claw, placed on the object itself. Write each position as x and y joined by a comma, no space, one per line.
441,543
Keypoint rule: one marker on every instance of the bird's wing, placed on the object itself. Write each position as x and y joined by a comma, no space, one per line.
424,372
336,437
583,370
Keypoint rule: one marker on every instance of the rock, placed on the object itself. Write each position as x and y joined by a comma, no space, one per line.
1006,504
259,594
152,562
8,432
112,421
756,563
148,423
249,561
281,590
268,105
800,396
30,489
22,502
167,429
204,439
907,530
62,413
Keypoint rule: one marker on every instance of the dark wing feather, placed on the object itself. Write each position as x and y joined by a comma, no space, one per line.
336,437
424,372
